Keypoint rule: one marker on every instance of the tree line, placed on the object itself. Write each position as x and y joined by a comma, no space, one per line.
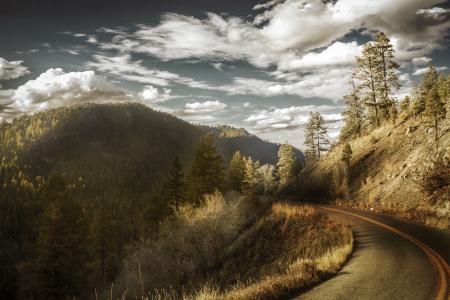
372,100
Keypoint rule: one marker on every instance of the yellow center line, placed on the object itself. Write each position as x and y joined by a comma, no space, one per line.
438,262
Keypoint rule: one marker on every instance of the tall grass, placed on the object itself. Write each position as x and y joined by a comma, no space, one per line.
212,252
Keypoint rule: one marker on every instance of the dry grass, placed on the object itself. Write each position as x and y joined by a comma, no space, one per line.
289,248
299,274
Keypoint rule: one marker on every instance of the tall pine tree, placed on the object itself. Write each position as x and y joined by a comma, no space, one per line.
287,162
434,110
61,251
354,113
249,176
236,172
386,74
207,171
175,188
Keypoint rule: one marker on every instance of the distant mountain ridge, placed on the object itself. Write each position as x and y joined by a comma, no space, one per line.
125,147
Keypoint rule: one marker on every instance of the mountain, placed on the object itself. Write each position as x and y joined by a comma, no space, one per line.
116,149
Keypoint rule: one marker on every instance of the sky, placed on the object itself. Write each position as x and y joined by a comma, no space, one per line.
261,65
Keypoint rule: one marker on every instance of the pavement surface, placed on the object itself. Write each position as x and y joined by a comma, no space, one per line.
393,259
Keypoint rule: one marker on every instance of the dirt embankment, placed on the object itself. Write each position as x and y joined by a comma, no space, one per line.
390,172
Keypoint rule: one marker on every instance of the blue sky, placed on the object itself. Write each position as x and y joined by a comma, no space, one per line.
259,65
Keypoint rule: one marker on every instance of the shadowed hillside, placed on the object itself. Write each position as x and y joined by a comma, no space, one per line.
125,146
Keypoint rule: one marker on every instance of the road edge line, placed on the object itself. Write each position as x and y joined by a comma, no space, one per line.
439,264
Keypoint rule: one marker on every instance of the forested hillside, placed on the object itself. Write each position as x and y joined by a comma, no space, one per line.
95,178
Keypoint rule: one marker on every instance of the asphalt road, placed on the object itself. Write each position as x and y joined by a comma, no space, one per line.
393,259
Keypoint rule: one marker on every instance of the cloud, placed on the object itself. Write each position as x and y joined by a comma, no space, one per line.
322,83
207,107
434,12
421,60
302,39
422,71
12,69
218,66
290,118
56,87
337,54
151,94
123,67
285,27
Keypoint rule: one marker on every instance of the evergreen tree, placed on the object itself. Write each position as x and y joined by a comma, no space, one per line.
377,76
320,134
310,146
434,110
207,171
444,88
429,80
346,154
386,73
104,244
354,113
175,187
236,172
286,163
249,176
61,252
316,137
405,105
367,76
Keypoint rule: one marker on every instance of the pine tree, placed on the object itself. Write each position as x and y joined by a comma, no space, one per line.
320,134
434,110
207,172
104,244
405,105
366,75
175,187
286,163
444,88
429,80
236,172
354,113
346,154
316,137
377,76
418,103
310,146
61,252
386,73
249,176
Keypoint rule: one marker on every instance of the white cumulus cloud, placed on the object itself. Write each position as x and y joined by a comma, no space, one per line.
151,94
12,69
206,107
56,87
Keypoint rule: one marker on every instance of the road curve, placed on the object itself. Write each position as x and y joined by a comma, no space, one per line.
393,259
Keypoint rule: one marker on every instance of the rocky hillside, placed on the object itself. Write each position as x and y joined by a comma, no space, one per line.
394,169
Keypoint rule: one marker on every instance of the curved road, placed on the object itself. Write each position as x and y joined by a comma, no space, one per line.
393,259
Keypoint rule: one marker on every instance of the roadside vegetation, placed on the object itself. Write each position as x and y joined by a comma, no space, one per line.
218,251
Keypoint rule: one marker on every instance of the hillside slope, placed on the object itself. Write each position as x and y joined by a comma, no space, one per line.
129,146
386,172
